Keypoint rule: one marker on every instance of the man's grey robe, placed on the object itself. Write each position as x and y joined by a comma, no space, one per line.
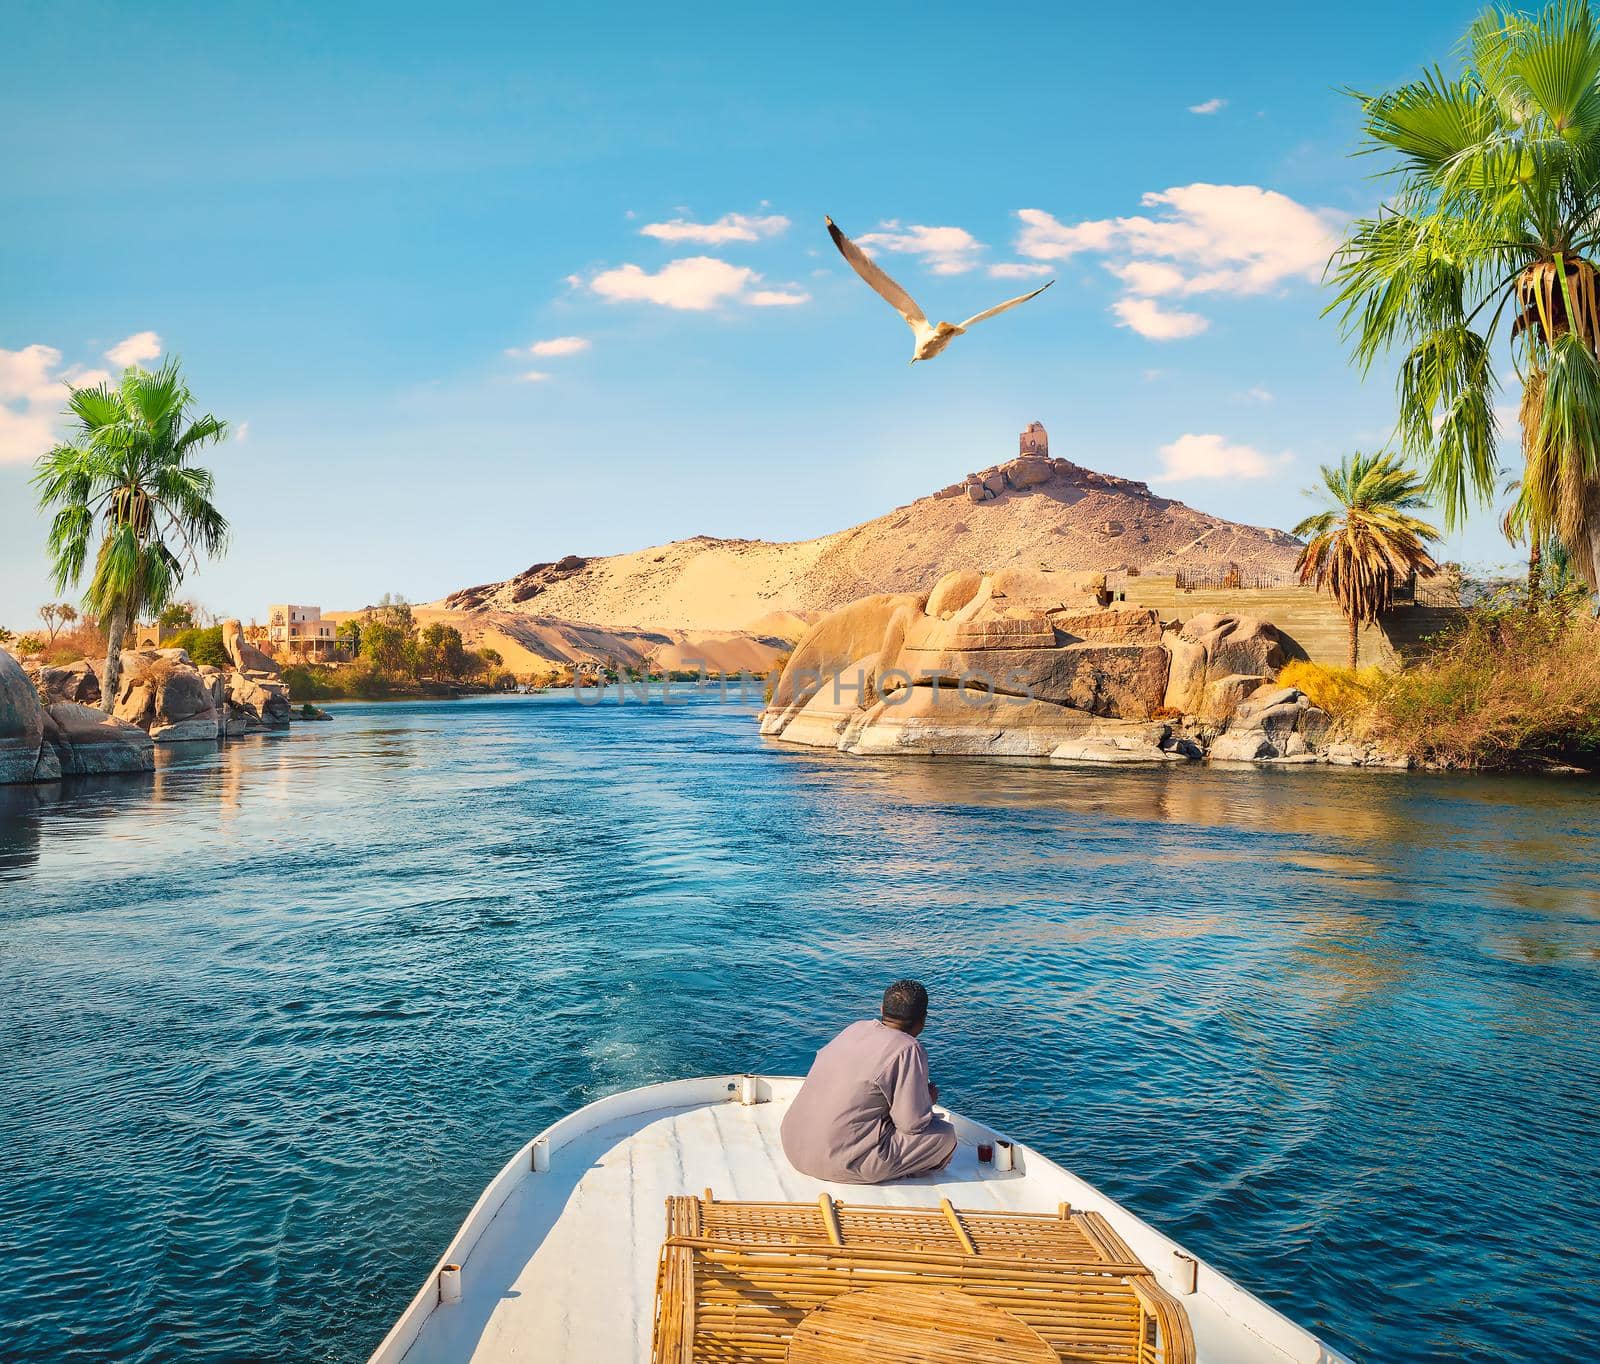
864,1114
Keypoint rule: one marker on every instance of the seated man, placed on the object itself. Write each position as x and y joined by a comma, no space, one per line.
865,1112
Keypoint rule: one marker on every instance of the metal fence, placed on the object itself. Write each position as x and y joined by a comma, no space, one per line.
1230,578
1438,591
1443,589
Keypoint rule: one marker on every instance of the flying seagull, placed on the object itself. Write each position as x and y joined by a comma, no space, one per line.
930,338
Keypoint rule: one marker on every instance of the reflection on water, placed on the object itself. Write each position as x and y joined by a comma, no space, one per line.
19,829
276,1012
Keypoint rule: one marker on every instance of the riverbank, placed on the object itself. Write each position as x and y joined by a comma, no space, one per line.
356,683
1510,689
55,723
1033,663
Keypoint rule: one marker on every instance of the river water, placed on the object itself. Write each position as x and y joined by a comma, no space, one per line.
275,1014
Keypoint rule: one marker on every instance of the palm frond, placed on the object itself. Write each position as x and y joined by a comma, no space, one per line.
1554,66
1494,209
1447,422
1367,540
127,468
202,431
1431,121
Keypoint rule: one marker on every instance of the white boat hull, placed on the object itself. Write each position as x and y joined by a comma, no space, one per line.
558,1264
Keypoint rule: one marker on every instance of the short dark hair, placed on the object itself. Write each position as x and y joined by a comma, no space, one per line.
906,1001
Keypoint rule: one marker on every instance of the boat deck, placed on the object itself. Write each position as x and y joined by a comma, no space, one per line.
558,1266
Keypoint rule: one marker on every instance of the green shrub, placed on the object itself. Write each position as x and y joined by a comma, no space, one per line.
361,679
307,684
389,648
775,675
203,646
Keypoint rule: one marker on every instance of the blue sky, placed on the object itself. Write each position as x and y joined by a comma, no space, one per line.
345,218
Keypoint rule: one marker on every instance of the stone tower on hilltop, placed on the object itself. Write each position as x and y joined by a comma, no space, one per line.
1034,440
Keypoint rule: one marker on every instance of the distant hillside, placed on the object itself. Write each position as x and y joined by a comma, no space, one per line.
1031,510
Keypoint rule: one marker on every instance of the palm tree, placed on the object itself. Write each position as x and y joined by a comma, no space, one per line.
1367,539
1517,524
1487,239
348,632
126,478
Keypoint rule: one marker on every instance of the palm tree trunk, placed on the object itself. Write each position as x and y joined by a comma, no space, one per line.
1586,549
1535,574
115,632
1355,641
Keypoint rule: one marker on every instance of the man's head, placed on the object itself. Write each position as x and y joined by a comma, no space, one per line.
905,1006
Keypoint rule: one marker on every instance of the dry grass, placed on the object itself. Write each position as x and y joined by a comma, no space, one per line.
83,640
1342,692
1507,689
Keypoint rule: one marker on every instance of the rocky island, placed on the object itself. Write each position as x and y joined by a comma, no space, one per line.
1034,663
52,724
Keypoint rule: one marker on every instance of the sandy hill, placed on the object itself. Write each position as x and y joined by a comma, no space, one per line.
1032,510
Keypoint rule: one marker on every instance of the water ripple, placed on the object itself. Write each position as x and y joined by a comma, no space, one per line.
275,1015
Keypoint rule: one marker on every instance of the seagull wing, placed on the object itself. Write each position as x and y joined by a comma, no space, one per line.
867,268
1001,307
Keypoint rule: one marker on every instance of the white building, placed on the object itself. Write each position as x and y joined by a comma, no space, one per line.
300,630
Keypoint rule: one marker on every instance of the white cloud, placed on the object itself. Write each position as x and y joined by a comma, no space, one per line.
1150,319
1209,106
777,298
695,283
1507,421
944,250
1228,238
135,349
1242,238
558,345
27,375
533,376
1148,277
1204,239
1210,456
1043,238
241,432
24,435
1017,270
33,393
1257,394
731,227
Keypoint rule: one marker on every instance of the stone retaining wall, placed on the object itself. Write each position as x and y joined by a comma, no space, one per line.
1310,622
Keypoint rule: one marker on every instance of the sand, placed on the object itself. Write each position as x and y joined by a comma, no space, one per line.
742,603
